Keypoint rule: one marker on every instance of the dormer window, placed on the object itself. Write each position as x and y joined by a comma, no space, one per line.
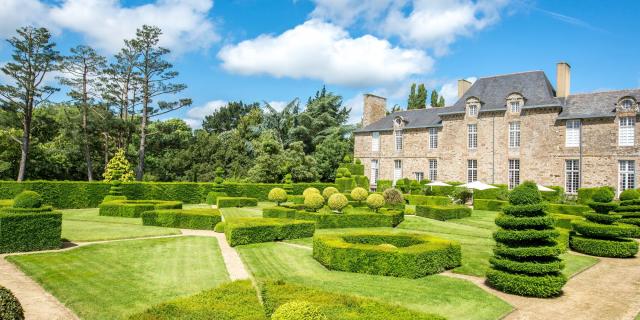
398,121
627,104
473,110
515,101
473,105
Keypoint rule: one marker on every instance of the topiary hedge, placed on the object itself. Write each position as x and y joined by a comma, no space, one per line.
230,202
298,309
35,231
629,212
409,255
443,212
203,219
28,200
629,194
488,204
10,308
241,231
351,218
572,209
345,184
6,203
212,197
135,208
526,258
427,200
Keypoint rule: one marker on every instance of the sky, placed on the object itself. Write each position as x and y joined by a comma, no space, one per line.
276,50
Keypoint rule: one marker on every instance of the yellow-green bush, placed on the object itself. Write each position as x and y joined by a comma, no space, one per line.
337,202
313,201
278,195
328,191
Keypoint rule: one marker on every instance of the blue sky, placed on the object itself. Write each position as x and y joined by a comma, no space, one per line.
274,51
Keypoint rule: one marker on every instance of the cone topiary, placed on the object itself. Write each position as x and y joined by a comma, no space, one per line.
525,260
28,200
277,195
337,202
218,180
118,168
602,235
375,201
328,191
288,183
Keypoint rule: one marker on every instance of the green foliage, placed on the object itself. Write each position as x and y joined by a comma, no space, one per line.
279,212
25,231
525,193
359,194
230,202
428,200
500,193
585,195
108,198
219,228
488,204
393,197
328,191
28,200
603,195
345,184
202,219
613,248
546,285
310,190
212,197
241,231
278,195
629,194
6,203
592,229
375,201
554,196
350,218
383,185
118,168
409,255
343,173
10,308
337,202
576,210
314,201
298,310
354,169
134,208
461,195
443,212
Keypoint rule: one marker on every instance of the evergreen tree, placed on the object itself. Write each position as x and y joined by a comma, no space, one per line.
434,99
441,102
118,168
421,97
412,102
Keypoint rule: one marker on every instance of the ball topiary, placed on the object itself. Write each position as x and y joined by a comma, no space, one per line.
310,190
313,201
393,197
328,191
603,194
337,201
277,195
526,193
358,161
359,194
629,194
219,228
10,308
375,201
27,199
298,310
343,172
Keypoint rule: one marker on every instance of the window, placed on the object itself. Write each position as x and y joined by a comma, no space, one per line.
433,138
573,133
374,171
514,106
514,134
473,136
572,176
398,135
472,170
514,173
626,104
627,175
419,176
626,134
397,172
473,109
433,169
375,141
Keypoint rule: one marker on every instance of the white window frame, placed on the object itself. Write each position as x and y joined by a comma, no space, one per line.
626,175
419,175
571,176
626,131
433,169
375,171
572,133
514,106
626,104
472,170
399,140
472,136
514,134
514,173
397,171
473,110
433,138
375,141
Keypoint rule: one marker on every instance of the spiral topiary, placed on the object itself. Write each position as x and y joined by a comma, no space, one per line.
277,195
28,200
313,201
629,194
10,307
337,202
328,191
525,260
310,190
359,194
393,197
375,201
298,310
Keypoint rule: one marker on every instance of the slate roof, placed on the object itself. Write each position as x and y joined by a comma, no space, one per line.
595,105
419,118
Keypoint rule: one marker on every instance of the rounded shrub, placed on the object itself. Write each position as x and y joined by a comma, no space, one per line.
219,228
298,310
603,195
343,172
393,196
328,191
10,308
359,194
526,193
629,194
313,201
375,201
28,200
277,195
309,191
337,201
358,161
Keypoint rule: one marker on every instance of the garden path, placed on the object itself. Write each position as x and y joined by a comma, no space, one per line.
608,290
235,266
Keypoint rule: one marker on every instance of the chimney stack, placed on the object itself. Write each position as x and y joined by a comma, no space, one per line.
375,108
463,86
563,80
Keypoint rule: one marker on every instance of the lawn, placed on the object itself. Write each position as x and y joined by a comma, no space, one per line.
230,213
114,280
86,225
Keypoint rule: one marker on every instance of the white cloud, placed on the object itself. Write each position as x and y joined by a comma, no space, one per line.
106,23
356,103
449,91
195,115
278,105
324,51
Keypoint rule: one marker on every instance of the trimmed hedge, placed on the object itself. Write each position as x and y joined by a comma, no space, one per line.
135,208
212,197
572,209
279,212
230,202
546,285
241,231
6,203
351,218
585,194
427,200
488,204
345,184
443,213
203,219
613,248
409,255
382,185
34,231
500,193
10,308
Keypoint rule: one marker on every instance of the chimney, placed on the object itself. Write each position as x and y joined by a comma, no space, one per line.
563,80
463,86
375,108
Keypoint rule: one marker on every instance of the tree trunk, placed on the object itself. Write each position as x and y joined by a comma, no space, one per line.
26,140
85,140
143,139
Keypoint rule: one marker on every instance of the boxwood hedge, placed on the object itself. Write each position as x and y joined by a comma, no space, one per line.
443,212
212,197
33,231
530,284
488,204
10,307
350,218
427,200
6,203
576,210
134,208
230,202
241,231
409,255
200,218
613,248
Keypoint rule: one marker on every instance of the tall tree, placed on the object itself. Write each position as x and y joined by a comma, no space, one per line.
441,102
82,69
156,75
412,102
434,99
34,56
227,117
421,97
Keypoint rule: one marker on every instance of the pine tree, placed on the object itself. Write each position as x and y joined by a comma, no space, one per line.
413,98
421,102
441,102
434,99
118,168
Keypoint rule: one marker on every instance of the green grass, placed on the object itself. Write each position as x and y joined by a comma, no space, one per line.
113,280
86,225
445,296
247,212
